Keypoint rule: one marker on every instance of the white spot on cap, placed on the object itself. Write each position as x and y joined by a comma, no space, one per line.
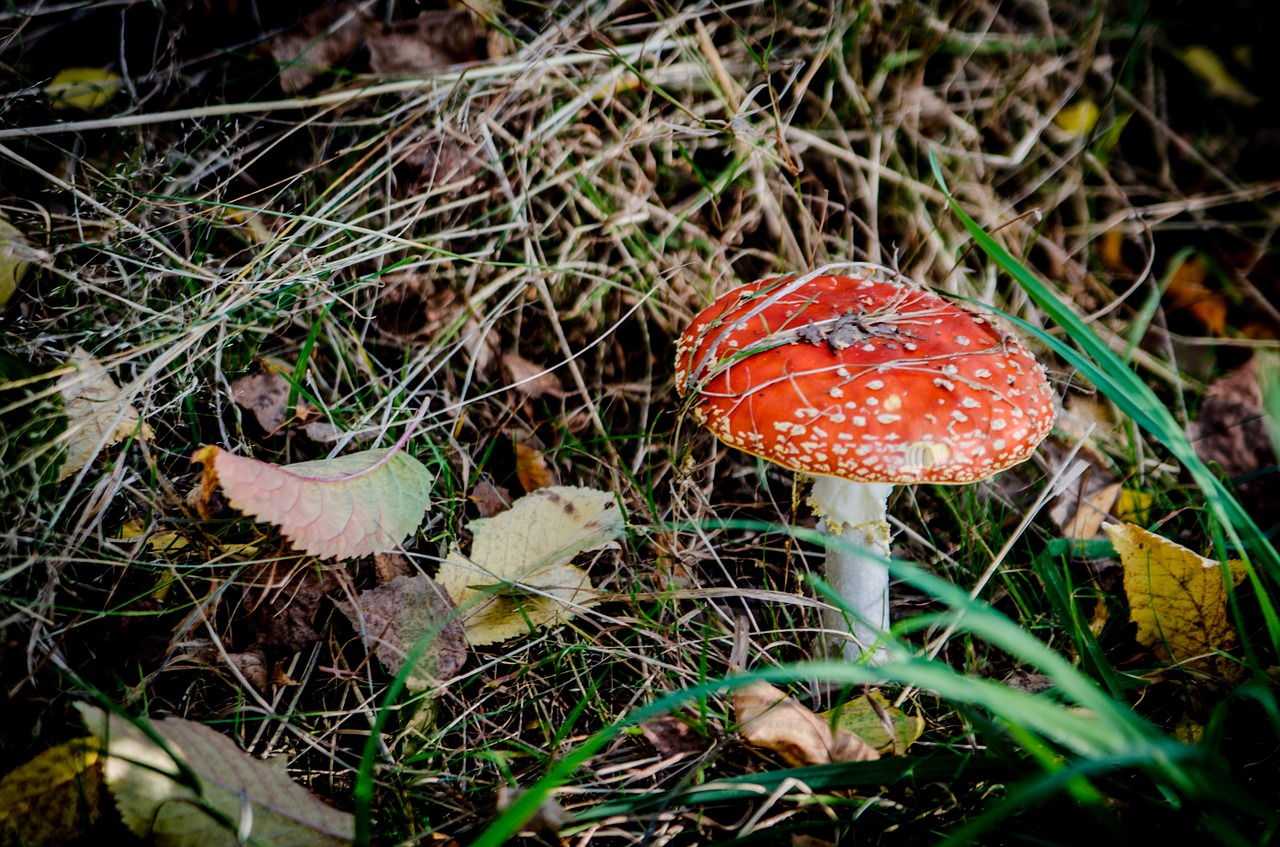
888,419
875,384
892,403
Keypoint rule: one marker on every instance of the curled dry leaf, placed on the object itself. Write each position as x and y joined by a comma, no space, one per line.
1178,599
518,575
251,797
97,413
51,799
266,395
344,507
770,719
394,617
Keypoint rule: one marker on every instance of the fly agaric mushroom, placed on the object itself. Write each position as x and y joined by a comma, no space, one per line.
863,382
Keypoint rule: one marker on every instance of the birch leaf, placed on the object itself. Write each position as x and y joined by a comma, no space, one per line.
1177,598
16,255
156,800
518,576
345,507
97,413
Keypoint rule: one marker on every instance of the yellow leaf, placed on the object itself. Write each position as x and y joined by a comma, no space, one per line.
518,575
97,413
781,724
1077,119
879,723
1177,598
16,254
1133,506
87,89
1206,64
51,799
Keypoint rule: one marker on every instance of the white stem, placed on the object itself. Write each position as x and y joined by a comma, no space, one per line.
856,512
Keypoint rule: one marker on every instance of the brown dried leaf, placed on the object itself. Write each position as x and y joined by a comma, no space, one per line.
318,43
770,719
394,617
266,395
490,499
388,566
282,616
1231,430
253,665
422,46
529,380
671,736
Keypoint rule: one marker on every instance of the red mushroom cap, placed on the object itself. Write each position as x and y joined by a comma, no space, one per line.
863,378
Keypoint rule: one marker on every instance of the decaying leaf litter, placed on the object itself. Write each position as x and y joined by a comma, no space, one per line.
481,233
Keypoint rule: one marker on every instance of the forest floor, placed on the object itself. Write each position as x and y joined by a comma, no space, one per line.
292,232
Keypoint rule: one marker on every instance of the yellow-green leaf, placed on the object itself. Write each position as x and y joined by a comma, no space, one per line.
1078,118
16,254
234,794
518,575
51,799
1177,598
87,89
879,723
344,507
1207,65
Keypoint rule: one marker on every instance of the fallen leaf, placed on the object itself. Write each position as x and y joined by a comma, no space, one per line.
529,380
97,414
768,718
86,89
490,499
1207,65
532,468
16,255
344,507
879,723
388,566
518,575
1177,599
422,46
1231,430
239,799
317,44
671,736
395,617
1078,118
266,395
252,664
165,541
1188,292
1091,512
51,799
281,616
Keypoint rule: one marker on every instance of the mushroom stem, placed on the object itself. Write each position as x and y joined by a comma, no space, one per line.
856,512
